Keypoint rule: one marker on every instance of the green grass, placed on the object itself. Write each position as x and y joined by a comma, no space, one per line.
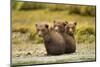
85,33
24,22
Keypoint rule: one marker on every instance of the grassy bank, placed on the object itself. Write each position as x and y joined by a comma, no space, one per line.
23,23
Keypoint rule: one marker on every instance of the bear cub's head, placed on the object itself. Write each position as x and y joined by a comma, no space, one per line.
59,25
42,29
65,27
70,28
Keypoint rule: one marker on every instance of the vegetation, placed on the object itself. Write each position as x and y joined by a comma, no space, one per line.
26,49
78,9
85,34
26,14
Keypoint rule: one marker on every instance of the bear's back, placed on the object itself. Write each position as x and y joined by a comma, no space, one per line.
56,43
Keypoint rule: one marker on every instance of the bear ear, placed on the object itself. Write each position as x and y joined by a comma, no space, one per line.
36,25
54,21
66,22
46,25
75,23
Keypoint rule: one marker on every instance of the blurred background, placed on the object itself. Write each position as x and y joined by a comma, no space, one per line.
26,14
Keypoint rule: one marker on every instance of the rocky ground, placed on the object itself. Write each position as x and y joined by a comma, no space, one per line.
31,54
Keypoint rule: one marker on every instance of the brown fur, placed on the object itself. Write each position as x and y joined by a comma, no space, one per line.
70,43
63,27
59,25
55,43
70,28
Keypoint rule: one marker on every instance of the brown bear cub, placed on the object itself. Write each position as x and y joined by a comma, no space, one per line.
61,27
65,27
53,41
70,28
